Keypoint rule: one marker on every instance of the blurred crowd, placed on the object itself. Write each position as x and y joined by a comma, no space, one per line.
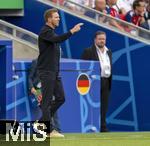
136,12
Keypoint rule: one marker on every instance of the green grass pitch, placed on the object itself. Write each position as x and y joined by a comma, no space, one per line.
90,139
104,139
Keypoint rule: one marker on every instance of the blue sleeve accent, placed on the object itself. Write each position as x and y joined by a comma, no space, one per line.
128,17
108,10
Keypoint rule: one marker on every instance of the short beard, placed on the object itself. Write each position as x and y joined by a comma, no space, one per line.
101,46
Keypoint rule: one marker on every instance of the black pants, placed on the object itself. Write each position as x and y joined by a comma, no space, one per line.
105,90
51,86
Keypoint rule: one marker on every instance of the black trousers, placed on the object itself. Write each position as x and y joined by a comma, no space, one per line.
51,86
105,91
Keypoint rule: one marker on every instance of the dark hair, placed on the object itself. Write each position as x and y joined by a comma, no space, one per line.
136,3
99,33
48,13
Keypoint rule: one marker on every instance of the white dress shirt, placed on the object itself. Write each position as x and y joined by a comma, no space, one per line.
104,62
126,4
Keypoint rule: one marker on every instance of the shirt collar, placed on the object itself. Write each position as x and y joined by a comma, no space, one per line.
105,48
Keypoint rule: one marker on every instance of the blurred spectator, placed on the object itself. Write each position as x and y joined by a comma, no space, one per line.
138,16
147,11
147,5
124,5
100,5
91,3
146,23
137,13
113,12
87,3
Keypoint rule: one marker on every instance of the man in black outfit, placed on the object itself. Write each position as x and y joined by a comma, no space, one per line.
101,53
48,65
35,89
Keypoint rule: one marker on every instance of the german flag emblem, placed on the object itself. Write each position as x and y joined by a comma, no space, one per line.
83,84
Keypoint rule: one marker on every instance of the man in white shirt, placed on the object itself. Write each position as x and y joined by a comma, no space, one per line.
101,53
124,4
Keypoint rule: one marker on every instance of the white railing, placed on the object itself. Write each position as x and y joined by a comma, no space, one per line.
101,19
18,34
